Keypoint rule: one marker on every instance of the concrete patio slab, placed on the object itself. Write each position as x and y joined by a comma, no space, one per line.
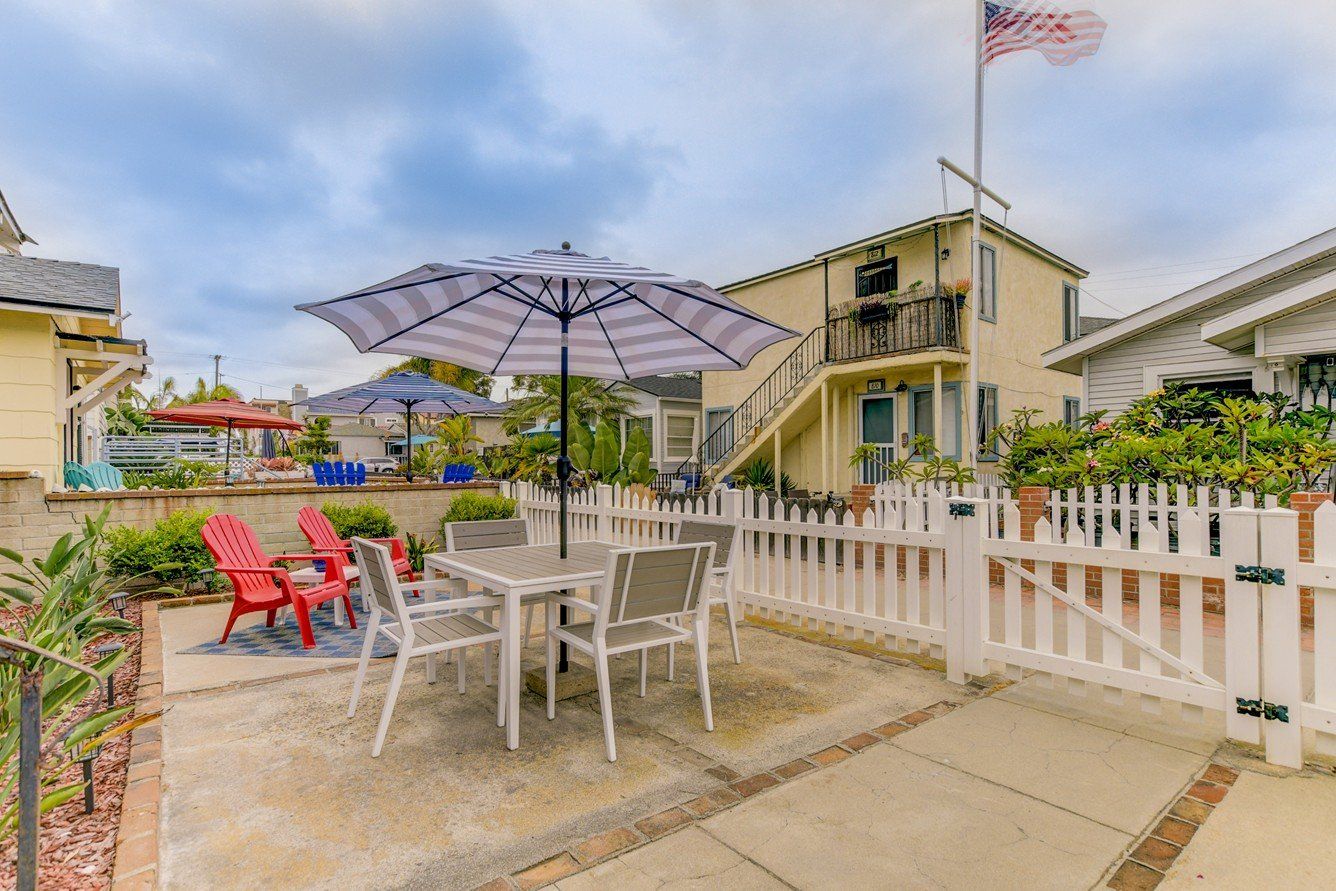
684,861
892,819
187,626
1270,831
447,805
1112,778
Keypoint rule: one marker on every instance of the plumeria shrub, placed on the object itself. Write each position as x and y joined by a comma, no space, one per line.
1177,435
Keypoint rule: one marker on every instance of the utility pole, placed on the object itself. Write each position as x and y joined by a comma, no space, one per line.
217,378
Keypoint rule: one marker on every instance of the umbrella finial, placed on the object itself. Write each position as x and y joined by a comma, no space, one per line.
565,245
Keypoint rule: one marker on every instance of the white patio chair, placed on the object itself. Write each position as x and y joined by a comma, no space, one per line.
727,543
422,629
477,534
650,597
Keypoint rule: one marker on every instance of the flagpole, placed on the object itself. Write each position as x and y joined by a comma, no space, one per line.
976,267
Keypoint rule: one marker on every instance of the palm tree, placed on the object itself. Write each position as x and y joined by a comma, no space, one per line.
202,392
455,375
166,394
589,400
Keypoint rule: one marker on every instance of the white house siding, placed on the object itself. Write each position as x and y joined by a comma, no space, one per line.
1128,370
1303,333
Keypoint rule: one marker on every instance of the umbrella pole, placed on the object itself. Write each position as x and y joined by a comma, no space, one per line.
563,462
227,457
408,426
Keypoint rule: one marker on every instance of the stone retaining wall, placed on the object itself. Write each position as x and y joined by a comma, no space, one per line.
32,520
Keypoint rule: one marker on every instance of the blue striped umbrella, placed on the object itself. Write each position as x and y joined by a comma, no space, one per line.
406,391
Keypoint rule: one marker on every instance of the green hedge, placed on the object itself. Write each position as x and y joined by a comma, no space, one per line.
468,506
127,551
365,520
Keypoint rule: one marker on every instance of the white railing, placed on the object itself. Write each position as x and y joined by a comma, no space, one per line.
1117,616
149,453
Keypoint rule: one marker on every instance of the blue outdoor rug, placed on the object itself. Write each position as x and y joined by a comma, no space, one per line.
331,642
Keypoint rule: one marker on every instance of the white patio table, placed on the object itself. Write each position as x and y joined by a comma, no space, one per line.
512,573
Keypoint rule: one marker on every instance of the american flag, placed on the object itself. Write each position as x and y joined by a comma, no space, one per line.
1063,37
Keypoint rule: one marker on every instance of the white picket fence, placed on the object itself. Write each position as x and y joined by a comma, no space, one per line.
913,575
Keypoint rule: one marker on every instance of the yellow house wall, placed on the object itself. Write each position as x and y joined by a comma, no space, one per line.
1029,321
29,388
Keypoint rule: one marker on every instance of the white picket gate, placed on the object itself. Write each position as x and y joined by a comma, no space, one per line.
914,575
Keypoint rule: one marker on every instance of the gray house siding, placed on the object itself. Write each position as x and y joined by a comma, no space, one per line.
1310,331
1128,370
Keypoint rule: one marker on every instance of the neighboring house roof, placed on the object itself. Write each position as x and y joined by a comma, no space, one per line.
906,231
668,387
1235,328
59,285
1091,324
12,237
1068,356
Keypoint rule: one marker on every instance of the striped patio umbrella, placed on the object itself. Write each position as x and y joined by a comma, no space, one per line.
405,391
553,312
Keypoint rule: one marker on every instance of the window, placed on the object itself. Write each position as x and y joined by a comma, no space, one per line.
987,421
921,420
876,278
988,275
680,433
1071,312
1217,385
1071,410
647,424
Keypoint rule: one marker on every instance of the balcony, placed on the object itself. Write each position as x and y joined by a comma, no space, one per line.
917,320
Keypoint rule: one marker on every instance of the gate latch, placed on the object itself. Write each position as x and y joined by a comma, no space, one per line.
962,510
1260,708
1265,575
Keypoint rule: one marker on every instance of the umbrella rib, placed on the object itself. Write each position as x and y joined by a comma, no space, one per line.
680,326
501,357
436,315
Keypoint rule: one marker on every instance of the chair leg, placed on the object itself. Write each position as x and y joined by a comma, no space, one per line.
431,668
644,670
368,644
461,668
348,611
392,694
672,661
731,610
231,620
703,673
551,676
268,621
605,698
304,623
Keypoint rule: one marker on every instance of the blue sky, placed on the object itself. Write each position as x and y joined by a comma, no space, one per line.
236,159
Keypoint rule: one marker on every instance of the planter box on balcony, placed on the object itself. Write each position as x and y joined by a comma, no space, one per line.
875,312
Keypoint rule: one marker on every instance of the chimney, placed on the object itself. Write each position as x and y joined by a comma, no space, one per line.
299,392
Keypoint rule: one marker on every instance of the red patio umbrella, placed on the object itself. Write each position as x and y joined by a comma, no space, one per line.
229,413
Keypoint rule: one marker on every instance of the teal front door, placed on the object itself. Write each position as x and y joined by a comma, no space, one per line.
876,426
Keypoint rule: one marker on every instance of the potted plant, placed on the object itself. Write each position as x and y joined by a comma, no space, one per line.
876,309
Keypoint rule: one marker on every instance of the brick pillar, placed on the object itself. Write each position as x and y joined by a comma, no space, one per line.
859,501
1307,503
1033,504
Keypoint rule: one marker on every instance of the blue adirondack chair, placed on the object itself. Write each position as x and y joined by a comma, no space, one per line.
359,474
321,471
106,477
77,477
340,474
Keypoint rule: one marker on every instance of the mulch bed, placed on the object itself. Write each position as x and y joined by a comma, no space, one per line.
76,850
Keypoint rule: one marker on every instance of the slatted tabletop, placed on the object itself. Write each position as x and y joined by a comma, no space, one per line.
528,564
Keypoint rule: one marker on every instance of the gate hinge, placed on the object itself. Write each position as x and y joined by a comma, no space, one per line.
962,510
1265,575
1260,708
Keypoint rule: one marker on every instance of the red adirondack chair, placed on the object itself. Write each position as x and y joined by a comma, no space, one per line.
259,586
319,531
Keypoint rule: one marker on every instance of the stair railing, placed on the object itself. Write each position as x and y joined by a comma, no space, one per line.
754,411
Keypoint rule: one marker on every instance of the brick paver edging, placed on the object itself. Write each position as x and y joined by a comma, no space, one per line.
734,788
1146,865
136,863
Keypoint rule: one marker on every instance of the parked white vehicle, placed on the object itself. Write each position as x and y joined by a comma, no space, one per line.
381,465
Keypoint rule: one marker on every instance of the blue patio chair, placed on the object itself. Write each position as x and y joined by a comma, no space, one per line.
468,473
321,471
77,477
340,474
359,474
106,478
448,474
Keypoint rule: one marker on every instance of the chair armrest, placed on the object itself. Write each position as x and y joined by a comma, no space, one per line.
457,604
574,603
306,557
253,570
396,546
340,549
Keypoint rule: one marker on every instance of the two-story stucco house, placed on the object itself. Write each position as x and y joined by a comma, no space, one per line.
1265,327
859,378
62,356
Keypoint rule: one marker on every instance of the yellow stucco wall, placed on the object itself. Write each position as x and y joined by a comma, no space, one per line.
29,428
1029,321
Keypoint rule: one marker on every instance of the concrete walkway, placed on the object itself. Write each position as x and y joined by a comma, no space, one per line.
1028,788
